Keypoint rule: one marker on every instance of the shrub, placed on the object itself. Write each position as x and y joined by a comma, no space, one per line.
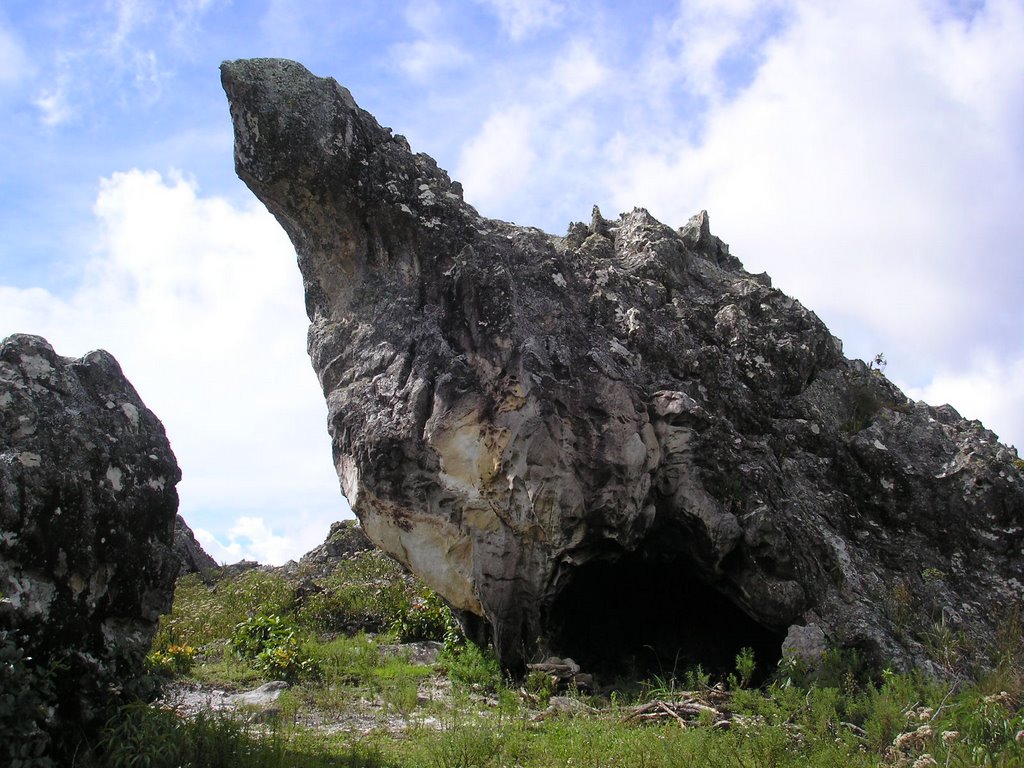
745,666
542,685
272,646
468,665
27,698
172,660
426,617
368,591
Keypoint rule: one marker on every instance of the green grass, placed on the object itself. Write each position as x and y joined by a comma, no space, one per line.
205,613
464,712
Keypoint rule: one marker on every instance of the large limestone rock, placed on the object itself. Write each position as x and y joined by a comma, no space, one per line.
618,434
87,509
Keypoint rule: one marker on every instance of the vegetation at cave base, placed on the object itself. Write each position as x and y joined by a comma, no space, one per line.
461,711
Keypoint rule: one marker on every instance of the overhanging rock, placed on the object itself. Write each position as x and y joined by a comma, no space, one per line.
544,427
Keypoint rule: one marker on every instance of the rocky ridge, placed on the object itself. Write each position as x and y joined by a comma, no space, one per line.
190,553
618,431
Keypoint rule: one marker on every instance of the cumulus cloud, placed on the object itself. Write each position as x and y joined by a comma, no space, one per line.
578,70
867,155
500,156
873,166
539,152
252,538
201,303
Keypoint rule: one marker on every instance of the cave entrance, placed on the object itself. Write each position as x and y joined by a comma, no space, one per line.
643,617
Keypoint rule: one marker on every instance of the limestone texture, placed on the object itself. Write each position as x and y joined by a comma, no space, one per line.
87,510
618,431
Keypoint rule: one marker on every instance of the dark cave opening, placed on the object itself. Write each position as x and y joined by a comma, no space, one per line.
642,617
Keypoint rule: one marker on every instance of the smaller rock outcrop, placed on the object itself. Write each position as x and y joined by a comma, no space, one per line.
87,510
191,555
345,539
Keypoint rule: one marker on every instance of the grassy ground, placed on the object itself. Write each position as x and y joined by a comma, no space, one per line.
355,701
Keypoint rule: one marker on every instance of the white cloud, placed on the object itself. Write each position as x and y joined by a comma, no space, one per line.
500,157
252,538
701,37
578,71
540,151
521,18
874,167
14,63
53,106
421,59
868,156
222,553
201,303
112,59
434,50
130,15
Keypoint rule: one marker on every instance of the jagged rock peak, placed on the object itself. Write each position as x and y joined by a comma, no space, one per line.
345,540
617,441
87,510
190,553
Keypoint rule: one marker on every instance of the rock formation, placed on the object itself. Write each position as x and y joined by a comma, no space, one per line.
618,433
345,540
87,508
192,558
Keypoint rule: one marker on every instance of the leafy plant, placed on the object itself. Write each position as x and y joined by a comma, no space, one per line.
426,617
472,667
272,645
173,660
745,666
542,685
27,698
697,679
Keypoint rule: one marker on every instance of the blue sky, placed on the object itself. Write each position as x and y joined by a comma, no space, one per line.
867,154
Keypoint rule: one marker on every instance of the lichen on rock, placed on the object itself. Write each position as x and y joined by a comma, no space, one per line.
87,509
614,433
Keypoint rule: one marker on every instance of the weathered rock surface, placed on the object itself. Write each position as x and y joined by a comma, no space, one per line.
618,433
87,509
192,558
345,539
